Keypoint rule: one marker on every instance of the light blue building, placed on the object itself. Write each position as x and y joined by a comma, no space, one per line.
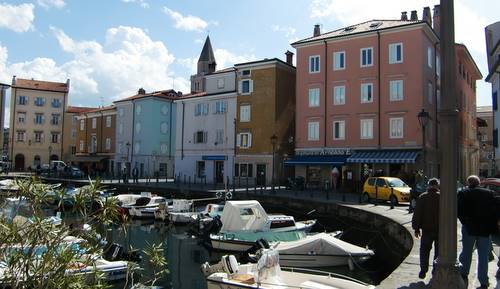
145,133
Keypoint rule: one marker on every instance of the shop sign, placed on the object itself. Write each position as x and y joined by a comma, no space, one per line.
324,152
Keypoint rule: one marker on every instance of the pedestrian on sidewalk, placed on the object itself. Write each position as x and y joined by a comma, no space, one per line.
135,174
478,215
425,222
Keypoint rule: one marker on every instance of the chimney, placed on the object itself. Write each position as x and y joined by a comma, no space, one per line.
436,19
289,57
13,80
404,16
317,30
426,15
141,91
414,16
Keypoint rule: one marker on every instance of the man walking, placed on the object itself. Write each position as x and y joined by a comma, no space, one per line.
425,222
476,211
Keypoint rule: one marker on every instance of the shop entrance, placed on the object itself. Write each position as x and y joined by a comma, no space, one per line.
219,172
261,174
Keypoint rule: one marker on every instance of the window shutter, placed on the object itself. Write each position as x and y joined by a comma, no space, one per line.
251,85
249,140
194,138
238,140
495,100
205,137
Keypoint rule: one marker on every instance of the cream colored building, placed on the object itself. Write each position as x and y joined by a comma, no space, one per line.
36,122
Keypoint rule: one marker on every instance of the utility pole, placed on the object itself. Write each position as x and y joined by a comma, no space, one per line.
446,273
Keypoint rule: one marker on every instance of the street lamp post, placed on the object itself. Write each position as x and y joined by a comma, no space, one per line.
127,165
446,273
423,118
274,140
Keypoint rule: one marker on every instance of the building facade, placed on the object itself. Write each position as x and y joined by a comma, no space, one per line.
205,141
492,32
36,122
485,138
368,100
145,134
95,141
3,95
70,131
266,115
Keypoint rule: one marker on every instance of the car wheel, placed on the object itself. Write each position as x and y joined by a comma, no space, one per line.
365,198
393,200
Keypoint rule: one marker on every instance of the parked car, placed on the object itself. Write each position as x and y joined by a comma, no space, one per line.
73,172
387,189
58,165
492,184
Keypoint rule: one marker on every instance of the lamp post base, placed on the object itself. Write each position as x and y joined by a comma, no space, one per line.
447,276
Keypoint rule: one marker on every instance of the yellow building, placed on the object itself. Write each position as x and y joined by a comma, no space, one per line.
70,131
36,122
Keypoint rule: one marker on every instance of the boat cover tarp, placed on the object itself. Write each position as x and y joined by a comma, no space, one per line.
321,244
243,216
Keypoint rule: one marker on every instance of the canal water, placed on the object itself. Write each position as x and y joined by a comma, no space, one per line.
185,254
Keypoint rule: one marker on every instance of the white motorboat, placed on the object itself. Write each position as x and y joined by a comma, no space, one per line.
145,207
267,274
320,250
182,212
244,222
126,201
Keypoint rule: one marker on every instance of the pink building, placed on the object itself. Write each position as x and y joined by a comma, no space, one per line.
360,90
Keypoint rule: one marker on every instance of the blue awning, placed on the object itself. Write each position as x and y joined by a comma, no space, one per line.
316,160
214,158
383,157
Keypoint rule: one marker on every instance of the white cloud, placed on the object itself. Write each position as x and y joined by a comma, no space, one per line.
190,63
289,32
225,58
188,23
51,3
143,3
17,18
127,60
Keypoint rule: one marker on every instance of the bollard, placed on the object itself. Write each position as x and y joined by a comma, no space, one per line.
255,186
247,186
184,179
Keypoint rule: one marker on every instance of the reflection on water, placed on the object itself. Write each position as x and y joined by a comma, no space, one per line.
184,253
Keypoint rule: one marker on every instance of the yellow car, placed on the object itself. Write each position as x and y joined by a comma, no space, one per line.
387,189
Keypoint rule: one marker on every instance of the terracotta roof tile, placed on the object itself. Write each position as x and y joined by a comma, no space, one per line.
109,107
167,94
78,109
41,85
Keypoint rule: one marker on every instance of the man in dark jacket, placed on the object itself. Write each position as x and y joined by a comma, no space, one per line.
425,222
478,215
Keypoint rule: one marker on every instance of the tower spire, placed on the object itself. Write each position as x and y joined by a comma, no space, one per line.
206,62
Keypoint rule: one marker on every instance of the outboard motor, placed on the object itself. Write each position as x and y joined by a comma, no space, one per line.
116,252
250,254
227,264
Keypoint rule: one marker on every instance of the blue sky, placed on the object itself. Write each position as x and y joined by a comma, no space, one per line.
110,48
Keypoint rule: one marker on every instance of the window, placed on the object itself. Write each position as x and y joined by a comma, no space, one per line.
108,143
381,183
395,53
366,56
73,133
438,65
22,100
366,92
220,107
108,121
494,97
245,113
38,136
73,150
243,170
244,140
164,109
55,137
200,137
339,130
82,124
313,97
396,127
21,135
120,146
246,86
313,131
93,143
219,136
163,148
163,127
220,83
39,101
339,95
82,145
94,123
21,117
314,64
120,128
366,126
396,90
430,92
39,119
201,109
56,103
55,119
138,109
339,60
246,72
200,169
138,127
429,57
120,111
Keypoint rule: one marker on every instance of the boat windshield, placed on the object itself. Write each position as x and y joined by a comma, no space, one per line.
396,183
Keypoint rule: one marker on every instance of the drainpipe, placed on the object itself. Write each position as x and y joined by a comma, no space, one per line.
326,90
436,103
182,130
378,92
